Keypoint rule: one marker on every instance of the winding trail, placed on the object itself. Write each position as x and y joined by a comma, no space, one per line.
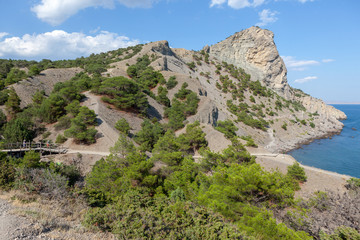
272,141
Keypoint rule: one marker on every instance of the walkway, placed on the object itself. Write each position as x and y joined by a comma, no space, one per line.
38,147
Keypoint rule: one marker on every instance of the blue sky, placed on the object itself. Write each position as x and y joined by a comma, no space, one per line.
318,39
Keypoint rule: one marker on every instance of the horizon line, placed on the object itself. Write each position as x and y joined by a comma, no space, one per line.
344,103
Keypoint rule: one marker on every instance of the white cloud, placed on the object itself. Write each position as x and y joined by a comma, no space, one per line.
238,4
59,44
304,1
217,2
57,11
327,60
3,34
298,65
306,79
267,16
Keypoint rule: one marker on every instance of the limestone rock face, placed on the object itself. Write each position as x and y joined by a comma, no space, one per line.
315,105
254,50
208,113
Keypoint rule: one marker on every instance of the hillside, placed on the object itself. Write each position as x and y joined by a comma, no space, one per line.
164,143
290,116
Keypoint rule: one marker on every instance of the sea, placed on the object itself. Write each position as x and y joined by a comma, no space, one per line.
340,153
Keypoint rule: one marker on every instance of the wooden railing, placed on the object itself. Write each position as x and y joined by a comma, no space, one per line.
32,146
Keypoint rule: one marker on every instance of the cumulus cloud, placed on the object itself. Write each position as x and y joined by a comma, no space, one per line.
59,44
298,65
217,2
306,79
327,60
3,34
267,16
57,11
238,4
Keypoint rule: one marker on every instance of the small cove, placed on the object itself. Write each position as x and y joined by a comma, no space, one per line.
341,153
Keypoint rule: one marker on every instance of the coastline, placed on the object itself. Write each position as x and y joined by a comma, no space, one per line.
318,179
299,144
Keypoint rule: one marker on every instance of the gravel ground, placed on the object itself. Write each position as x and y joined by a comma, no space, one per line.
16,227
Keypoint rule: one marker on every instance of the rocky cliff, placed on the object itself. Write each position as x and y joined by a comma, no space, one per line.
254,50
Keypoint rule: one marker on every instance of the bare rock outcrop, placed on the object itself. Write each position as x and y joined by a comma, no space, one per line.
208,113
43,82
316,105
254,50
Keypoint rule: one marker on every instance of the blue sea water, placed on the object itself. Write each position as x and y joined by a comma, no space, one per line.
339,154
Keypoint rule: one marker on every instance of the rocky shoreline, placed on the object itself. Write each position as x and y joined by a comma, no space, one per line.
299,144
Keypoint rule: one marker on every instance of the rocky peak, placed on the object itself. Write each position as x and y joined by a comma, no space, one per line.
254,50
161,47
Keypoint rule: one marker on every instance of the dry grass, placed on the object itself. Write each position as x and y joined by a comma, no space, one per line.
53,219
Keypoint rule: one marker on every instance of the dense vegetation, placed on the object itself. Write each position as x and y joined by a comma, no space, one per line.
184,104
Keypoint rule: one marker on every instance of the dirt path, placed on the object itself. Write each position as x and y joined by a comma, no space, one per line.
272,141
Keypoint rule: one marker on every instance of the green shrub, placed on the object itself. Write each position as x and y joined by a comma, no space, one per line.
148,135
15,75
52,108
81,129
227,127
252,99
193,139
60,139
38,97
7,172
42,181
64,122
191,65
297,172
171,83
176,115
251,143
138,216
123,93
320,201
32,160
13,102
353,183
46,134
69,171
303,122
73,108
183,92
123,126
341,233
3,96
284,126
81,133
162,96
19,129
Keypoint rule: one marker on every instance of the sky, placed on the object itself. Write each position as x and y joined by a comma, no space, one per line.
319,40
